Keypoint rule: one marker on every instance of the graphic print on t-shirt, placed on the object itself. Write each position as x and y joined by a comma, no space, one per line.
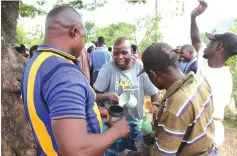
126,85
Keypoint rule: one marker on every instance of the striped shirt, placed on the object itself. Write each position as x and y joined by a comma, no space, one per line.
184,122
54,88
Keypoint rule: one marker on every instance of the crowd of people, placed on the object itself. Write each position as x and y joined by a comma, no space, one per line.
67,88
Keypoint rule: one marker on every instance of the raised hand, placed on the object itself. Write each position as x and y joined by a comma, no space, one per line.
200,9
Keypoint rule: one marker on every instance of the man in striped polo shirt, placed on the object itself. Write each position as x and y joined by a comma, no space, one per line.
183,124
58,101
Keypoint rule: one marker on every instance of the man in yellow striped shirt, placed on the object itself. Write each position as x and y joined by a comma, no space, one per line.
184,123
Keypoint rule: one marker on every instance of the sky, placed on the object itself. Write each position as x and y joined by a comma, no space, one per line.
219,15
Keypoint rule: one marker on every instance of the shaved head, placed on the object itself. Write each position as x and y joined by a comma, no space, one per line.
122,53
189,47
63,17
122,42
65,30
187,52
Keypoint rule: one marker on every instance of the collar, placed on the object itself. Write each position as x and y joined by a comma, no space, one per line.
49,48
100,47
193,59
176,85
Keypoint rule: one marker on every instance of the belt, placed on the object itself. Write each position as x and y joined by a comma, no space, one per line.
218,119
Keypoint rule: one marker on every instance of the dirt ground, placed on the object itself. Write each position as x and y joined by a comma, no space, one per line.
229,148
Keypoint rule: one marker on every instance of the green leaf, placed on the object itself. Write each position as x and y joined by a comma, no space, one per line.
232,62
113,31
30,11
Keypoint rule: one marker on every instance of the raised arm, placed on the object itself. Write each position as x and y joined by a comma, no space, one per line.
194,31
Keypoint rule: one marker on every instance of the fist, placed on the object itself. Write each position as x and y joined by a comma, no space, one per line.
112,96
149,139
122,128
200,9
103,112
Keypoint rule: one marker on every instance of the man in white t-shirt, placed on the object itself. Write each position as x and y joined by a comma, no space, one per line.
211,64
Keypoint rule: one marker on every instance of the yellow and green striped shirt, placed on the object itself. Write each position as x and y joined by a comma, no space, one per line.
184,123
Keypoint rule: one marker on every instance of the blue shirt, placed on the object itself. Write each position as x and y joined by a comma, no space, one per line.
187,66
54,88
99,57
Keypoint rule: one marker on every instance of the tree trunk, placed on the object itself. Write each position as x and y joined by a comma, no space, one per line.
17,139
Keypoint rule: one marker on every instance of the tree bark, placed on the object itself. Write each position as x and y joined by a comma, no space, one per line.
17,139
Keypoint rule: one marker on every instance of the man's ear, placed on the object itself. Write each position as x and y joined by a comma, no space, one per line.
73,32
219,46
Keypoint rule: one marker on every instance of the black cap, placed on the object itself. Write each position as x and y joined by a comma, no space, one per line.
157,56
228,40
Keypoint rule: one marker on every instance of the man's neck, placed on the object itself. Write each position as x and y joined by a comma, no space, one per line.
176,76
216,62
100,46
57,44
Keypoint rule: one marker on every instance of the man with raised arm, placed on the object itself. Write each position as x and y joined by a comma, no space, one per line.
211,65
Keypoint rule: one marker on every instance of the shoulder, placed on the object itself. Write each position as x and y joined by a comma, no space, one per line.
65,77
48,62
57,63
194,65
108,67
176,101
194,85
56,66
138,63
106,51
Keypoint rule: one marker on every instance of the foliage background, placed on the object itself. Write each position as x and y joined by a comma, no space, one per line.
232,62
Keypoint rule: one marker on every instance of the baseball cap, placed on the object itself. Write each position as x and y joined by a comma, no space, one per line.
157,56
228,40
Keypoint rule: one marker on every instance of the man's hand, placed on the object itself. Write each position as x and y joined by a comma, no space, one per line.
149,139
103,112
112,96
200,9
120,127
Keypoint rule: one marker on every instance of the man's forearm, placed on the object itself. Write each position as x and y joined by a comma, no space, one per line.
94,148
101,97
194,33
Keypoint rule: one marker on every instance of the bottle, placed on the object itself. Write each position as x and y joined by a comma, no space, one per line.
146,128
115,113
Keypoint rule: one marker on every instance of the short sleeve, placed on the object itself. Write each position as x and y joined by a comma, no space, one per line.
102,82
149,88
65,93
193,68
